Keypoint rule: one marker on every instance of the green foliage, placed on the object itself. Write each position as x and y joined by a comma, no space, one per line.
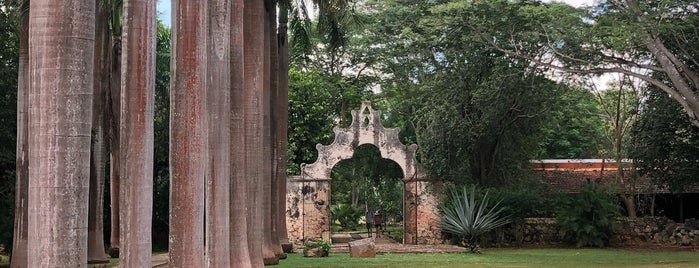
470,218
476,116
318,101
9,60
522,201
575,126
310,117
589,218
324,244
161,174
347,215
369,179
665,144
396,235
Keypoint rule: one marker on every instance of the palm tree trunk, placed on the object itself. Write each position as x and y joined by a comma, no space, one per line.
218,105
114,142
274,133
187,139
253,120
98,157
136,131
282,106
240,255
61,40
269,256
19,245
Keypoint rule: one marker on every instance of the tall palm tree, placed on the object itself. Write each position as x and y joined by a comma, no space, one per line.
253,120
136,131
218,104
19,252
240,254
273,68
95,233
187,139
269,257
61,46
115,9
281,107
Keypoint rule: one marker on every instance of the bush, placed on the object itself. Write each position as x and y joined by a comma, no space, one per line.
589,218
470,218
324,244
348,216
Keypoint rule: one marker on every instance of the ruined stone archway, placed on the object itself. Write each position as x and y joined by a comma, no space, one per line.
308,195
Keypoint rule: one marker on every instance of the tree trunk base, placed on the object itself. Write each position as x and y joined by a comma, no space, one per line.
280,256
113,252
270,261
288,247
97,261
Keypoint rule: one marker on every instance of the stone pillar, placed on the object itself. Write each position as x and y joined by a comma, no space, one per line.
308,209
410,204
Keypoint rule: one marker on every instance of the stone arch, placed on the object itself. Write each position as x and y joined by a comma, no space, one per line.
366,128
308,195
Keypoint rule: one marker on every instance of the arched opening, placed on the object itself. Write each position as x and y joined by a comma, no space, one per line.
364,183
308,195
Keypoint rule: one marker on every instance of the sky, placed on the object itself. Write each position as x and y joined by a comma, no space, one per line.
165,7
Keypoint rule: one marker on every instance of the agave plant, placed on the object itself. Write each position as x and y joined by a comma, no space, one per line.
465,216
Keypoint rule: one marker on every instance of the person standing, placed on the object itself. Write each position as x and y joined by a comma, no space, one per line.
369,221
377,223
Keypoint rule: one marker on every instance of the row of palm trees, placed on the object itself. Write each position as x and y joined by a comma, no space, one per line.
86,93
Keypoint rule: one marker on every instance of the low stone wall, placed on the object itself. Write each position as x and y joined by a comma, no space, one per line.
658,231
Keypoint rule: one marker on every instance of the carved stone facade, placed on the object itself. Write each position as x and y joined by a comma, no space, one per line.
308,195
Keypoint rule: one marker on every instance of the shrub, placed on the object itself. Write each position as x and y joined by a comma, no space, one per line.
324,244
470,218
589,218
347,215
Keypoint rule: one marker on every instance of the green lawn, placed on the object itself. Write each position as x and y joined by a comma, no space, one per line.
509,258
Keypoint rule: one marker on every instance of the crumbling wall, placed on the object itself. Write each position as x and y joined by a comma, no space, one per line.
430,194
307,209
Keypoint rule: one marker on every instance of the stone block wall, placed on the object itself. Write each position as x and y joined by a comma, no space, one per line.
429,219
656,231
307,209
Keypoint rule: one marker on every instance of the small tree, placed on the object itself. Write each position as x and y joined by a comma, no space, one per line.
469,218
589,218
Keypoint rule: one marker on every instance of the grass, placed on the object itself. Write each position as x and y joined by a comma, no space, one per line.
510,258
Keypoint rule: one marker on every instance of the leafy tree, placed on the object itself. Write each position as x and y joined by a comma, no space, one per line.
471,218
589,218
631,37
310,117
665,145
575,128
476,116
621,103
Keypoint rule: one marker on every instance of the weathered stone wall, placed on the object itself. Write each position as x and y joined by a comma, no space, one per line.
430,195
307,209
659,231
